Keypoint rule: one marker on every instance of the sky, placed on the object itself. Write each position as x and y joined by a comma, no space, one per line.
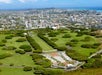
23,4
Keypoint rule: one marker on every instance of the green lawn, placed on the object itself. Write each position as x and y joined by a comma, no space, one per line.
83,51
18,60
42,43
12,42
14,71
2,36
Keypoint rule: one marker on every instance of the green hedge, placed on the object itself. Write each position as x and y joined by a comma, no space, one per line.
33,43
49,42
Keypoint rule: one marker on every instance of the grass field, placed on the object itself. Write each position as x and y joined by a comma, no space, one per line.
2,36
12,42
26,59
42,43
16,59
83,51
14,71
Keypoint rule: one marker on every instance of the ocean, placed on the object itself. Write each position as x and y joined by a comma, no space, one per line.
98,9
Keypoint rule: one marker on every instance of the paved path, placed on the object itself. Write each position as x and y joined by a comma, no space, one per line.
98,52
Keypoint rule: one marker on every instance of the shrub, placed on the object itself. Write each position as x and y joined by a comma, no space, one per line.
4,40
53,71
20,51
62,48
27,50
88,63
93,34
66,36
72,44
8,37
53,34
94,46
2,44
36,56
25,47
1,63
93,63
78,35
9,48
38,69
27,68
12,64
2,56
86,46
0,70
41,60
74,40
87,38
20,34
54,39
21,40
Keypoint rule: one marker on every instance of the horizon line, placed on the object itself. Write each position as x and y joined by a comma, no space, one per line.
99,7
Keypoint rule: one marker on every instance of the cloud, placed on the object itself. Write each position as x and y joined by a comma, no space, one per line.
23,1
5,1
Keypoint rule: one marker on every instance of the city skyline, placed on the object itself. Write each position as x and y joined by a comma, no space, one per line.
25,4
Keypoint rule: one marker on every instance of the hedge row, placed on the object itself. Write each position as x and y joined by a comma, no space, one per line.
33,43
49,42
